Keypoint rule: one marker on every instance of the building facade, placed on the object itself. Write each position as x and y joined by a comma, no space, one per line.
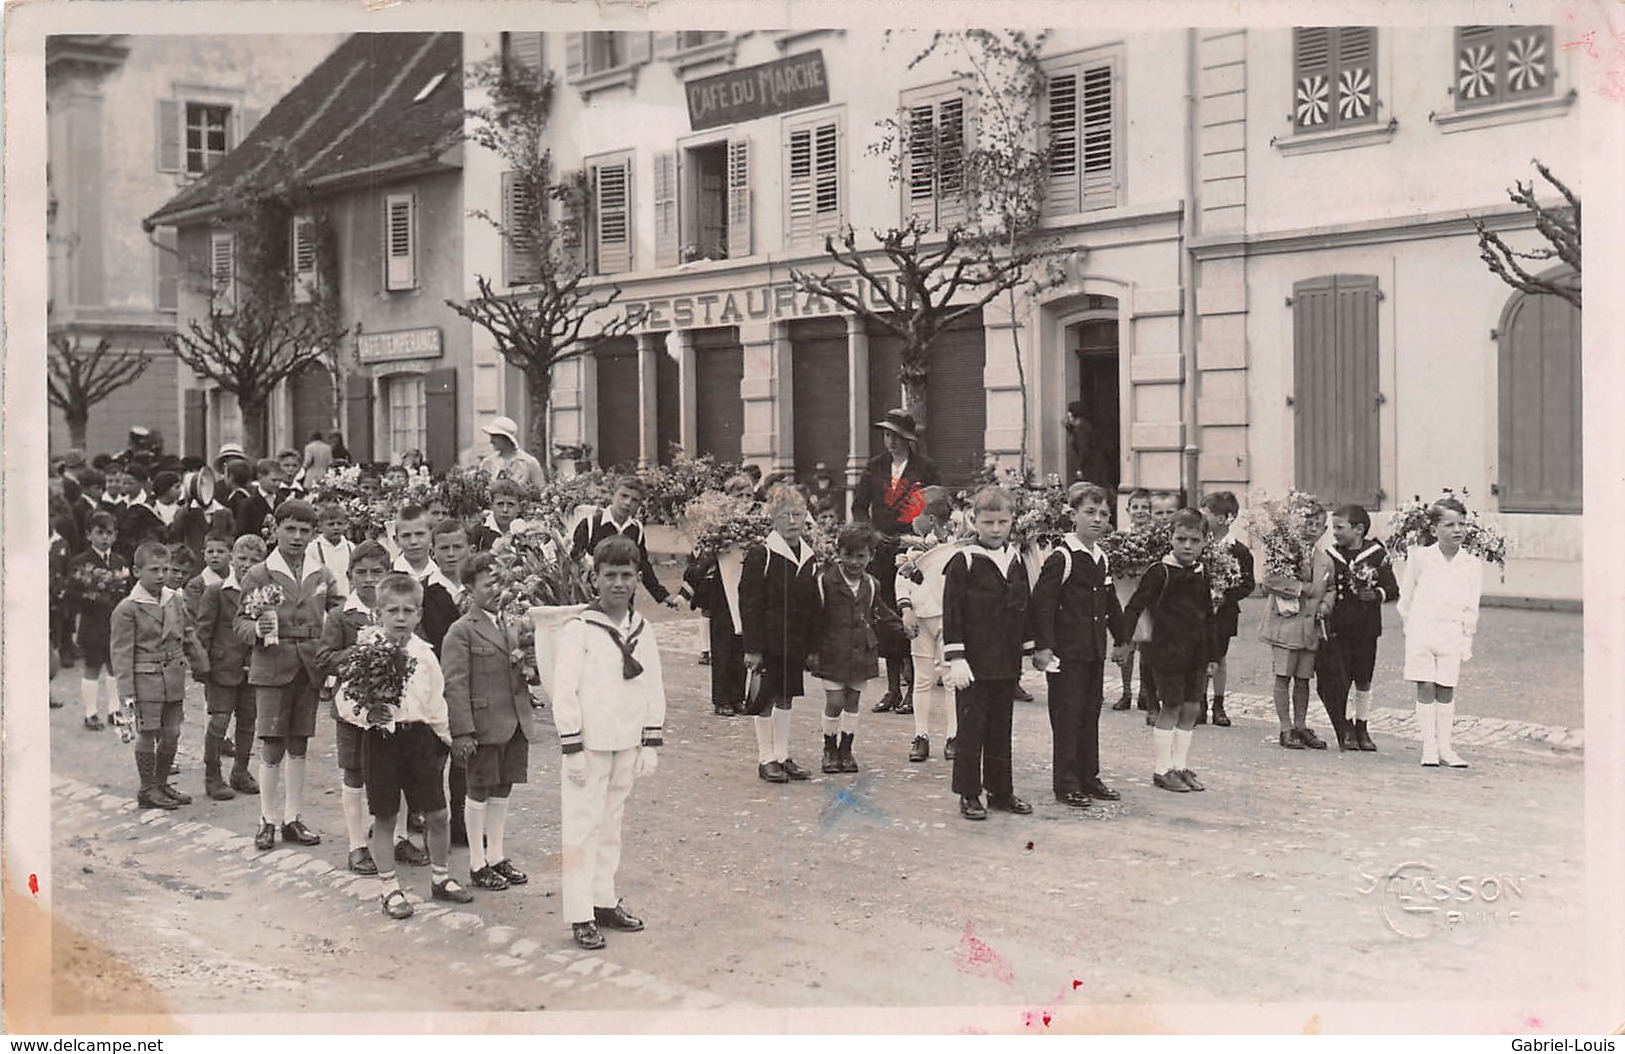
372,139
131,120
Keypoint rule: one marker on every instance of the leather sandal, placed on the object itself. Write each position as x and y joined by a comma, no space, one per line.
396,906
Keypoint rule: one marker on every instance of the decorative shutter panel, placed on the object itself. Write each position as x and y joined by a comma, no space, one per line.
799,185
827,178
1311,78
1356,75
524,53
739,217
1061,95
169,135
303,253
1527,61
920,176
574,45
400,249
1314,327
612,218
665,45
223,270
520,265
440,413
358,416
953,125
1357,389
1099,183
639,47
1478,65
1540,397
665,180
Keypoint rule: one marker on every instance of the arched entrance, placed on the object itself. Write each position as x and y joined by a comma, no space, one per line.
1092,365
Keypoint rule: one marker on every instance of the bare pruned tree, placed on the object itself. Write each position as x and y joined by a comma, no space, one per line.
76,379
1559,225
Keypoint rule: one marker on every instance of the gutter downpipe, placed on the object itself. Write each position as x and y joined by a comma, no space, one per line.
1187,281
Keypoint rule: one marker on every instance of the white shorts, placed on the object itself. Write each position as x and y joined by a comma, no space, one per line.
1433,652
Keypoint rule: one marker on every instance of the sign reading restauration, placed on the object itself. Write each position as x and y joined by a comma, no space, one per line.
758,91
730,307
399,344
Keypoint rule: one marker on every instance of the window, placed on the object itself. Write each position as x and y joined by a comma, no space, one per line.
223,272
521,264
407,411
166,294
1080,120
703,204
611,186
1497,64
522,54
602,51
1334,77
935,140
814,205
1540,402
193,135
1336,393
302,254
400,242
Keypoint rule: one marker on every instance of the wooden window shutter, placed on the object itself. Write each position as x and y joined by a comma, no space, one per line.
1099,183
1540,395
522,54
196,410
1356,75
1528,61
639,48
827,178
400,249
666,236
612,218
953,127
1311,78
739,213
440,418
574,55
358,416
1061,98
166,295
920,176
798,187
303,254
169,135
1336,388
223,271
1478,74
520,264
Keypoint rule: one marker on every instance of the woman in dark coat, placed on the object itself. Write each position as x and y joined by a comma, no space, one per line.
889,495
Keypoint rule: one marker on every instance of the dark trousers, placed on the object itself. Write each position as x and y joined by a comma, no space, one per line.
727,664
1074,720
1333,680
457,785
983,745
1148,681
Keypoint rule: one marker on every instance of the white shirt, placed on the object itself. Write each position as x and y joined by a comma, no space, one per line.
166,513
140,595
277,562
336,557
776,544
1002,557
429,576
925,597
422,699
210,578
1441,589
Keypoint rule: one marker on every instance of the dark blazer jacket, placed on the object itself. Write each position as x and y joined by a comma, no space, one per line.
486,694
844,627
1074,605
985,616
885,511
93,615
776,602
1351,616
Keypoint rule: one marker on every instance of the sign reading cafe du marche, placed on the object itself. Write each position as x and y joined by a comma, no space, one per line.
758,91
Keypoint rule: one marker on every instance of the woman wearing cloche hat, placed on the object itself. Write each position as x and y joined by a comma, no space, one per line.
506,459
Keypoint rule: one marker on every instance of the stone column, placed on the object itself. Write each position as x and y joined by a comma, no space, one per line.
859,422
768,435
650,347
688,426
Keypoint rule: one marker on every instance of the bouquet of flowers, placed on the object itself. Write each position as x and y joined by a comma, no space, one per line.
1410,528
368,517
262,600
668,489
1129,554
374,674
559,498
821,534
1277,526
533,567
1223,569
1042,513
339,485
466,493
715,522
416,489
100,585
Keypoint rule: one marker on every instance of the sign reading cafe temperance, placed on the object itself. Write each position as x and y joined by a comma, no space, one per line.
758,91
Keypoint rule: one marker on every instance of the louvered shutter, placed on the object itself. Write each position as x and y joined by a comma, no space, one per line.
575,205
1099,154
303,256
400,250
523,54
739,212
1335,384
827,178
665,181
223,270
920,181
1311,78
1356,75
953,124
574,46
639,47
520,263
167,295
1061,97
612,219
169,135
799,186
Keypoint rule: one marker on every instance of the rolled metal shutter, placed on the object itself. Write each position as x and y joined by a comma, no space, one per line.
719,368
819,388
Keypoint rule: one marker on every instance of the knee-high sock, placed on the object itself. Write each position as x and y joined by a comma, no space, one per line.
271,801
849,722
1182,748
1300,703
90,695
474,817
1162,741
294,793
1444,717
781,734
496,825
764,738
353,800
1430,733
1362,704
832,723
1283,703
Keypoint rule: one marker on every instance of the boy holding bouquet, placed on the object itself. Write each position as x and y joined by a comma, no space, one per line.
225,686
392,689
1364,581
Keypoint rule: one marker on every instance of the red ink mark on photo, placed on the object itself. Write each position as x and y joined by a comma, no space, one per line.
1534,1021
1076,984
1588,40
1029,847
33,884
905,499
975,957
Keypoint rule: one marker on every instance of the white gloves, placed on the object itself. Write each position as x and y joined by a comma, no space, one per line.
645,763
575,768
958,677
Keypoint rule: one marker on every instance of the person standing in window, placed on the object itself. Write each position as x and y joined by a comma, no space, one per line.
507,461
889,495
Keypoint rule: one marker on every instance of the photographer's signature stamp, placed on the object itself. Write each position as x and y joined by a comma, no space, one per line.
1417,901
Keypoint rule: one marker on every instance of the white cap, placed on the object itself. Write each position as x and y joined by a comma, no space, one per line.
503,426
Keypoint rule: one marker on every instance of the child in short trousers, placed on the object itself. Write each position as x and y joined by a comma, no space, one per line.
1438,605
1291,626
96,610
226,689
1221,509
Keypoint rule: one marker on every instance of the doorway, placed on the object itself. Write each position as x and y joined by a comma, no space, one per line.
1093,346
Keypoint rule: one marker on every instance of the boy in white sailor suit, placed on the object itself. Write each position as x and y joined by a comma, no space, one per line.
609,706
1074,605
919,602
